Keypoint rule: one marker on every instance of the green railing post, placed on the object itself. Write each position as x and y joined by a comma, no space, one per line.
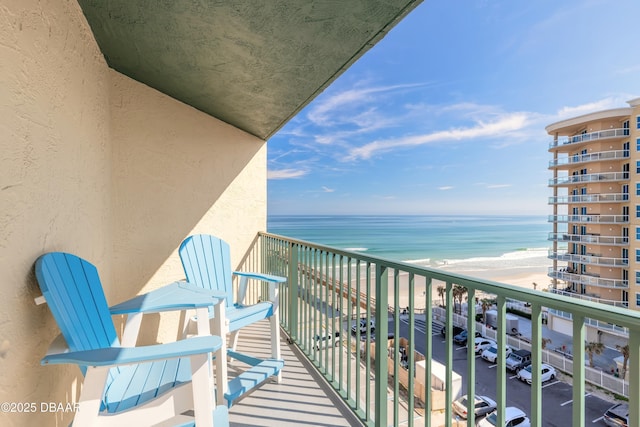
382,331
578,370
634,376
293,292
536,365
471,357
501,378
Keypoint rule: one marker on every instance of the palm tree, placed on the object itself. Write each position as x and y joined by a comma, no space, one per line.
544,342
441,292
593,348
458,292
486,305
624,349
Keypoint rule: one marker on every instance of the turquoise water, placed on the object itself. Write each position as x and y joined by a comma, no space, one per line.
428,240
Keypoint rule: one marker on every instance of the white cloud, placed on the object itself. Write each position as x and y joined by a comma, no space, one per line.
498,185
286,173
446,187
324,110
327,189
578,110
503,125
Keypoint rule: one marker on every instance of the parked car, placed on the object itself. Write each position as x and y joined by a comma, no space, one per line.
456,331
483,405
548,373
514,417
461,338
518,360
364,325
491,354
481,344
327,339
617,415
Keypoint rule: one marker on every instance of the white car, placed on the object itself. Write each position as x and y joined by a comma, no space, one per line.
514,417
481,344
548,373
363,326
483,405
326,340
490,354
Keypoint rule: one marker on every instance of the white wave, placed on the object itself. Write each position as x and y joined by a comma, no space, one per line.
356,249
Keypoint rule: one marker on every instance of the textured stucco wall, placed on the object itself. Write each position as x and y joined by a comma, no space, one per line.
55,183
102,166
177,171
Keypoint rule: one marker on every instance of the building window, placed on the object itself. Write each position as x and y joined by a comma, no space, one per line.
638,167
638,144
638,299
638,233
638,255
637,277
637,188
637,122
637,211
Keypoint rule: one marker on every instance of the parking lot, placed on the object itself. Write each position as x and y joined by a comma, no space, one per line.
556,394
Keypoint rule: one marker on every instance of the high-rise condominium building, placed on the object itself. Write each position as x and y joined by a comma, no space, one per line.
596,206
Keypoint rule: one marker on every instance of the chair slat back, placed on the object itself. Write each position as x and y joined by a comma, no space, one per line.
74,294
207,263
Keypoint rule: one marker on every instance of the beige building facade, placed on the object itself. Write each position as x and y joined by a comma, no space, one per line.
125,127
596,206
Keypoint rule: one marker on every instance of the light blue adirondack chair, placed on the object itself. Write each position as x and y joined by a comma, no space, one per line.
207,263
128,385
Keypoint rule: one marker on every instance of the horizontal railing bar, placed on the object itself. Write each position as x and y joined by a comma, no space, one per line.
619,316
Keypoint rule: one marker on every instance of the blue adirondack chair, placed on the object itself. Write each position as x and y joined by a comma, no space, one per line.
207,263
128,385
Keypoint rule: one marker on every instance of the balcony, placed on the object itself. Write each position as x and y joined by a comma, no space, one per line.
593,298
328,287
588,137
597,219
589,198
591,177
589,259
594,239
586,279
586,158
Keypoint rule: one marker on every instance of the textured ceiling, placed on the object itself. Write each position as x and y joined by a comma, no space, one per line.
253,64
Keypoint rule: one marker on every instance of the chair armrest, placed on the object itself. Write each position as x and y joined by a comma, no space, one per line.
260,276
175,296
271,279
127,355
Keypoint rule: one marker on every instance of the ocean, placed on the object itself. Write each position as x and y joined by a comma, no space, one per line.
471,242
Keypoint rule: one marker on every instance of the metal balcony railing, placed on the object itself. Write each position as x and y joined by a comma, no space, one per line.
593,136
328,287
597,218
589,198
589,177
585,279
595,239
593,157
590,298
591,259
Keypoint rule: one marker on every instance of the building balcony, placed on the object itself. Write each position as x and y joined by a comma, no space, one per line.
589,259
589,198
328,289
597,219
586,158
590,177
589,238
593,298
586,279
588,137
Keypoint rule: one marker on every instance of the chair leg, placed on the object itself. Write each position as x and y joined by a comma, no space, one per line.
275,341
233,339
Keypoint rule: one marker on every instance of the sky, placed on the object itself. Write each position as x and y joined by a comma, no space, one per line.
446,114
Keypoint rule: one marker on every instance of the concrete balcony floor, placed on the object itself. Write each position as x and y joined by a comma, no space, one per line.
302,399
